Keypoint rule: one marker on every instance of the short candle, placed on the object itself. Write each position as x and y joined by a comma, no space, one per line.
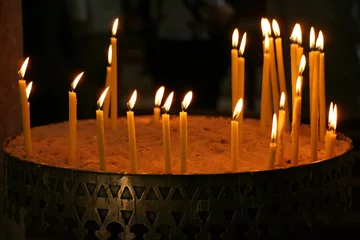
183,131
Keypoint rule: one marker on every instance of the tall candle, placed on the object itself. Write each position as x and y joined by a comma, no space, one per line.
183,131
235,136
158,98
131,133
293,58
107,84
25,108
280,131
234,68
73,118
241,67
311,60
322,97
114,77
166,133
295,134
265,111
100,130
272,147
331,132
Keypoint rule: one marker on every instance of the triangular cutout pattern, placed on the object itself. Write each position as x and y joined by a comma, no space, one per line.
151,195
60,187
177,217
114,190
164,191
102,192
203,216
177,195
139,190
69,185
190,191
229,214
60,208
151,216
216,190
203,195
80,191
228,193
80,211
126,216
91,188
102,213
126,194
253,212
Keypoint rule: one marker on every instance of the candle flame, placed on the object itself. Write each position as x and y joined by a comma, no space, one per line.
312,38
159,96
274,129
131,102
23,68
100,102
302,64
115,26
28,89
238,108
187,99
110,54
235,38
266,44
242,44
296,35
332,116
298,86
276,28
320,41
76,81
168,102
265,27
331,109
282,100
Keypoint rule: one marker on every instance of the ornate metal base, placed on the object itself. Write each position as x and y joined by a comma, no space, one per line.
46,202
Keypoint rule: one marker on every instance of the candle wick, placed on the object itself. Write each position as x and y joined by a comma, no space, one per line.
163,108
128,106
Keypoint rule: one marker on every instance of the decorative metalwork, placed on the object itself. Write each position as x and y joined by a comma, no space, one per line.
47,202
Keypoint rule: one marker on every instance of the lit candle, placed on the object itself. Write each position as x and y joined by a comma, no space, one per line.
73,118
301,68
25,108
295,134
166,132
331,132
241,65
158,98
272,153
281,70
234,68
311,60
114,77
107,84
100,130
235,135
265,112
183,131
293,57
322,97
131,133
280,131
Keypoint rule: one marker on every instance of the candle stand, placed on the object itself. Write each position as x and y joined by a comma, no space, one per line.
46,202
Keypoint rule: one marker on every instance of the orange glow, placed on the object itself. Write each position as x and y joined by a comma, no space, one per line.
110,54
76,81
242,44
320,41
282,100
100,102
312,38
274,129
238,109
265,27
187,99
296,35
235,38
168,102
23,68
302,65
115,26
159,96
332,116
131,102
298,86
266,44
28,89
276,28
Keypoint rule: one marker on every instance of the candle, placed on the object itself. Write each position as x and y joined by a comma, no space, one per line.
302,67
322,97
293,58
25,108
241,67
183,131
166,133
311,60
331,133
265,111
73,118
158,98
280,131
131,133
107,84
100,130
271,161
295,134
114,76
234,68
281,70
235,135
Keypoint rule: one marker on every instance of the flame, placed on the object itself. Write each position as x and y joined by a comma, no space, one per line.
242,44
76,81
131,102
115,26
168,102
265,27
334,118
320,41
235,38
276,28
187,99
274,129
331,109
298,86
312,38
23,68
266,44
159,96
282,100
100,102
28,89
302,64
296,34
238,109
110,54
